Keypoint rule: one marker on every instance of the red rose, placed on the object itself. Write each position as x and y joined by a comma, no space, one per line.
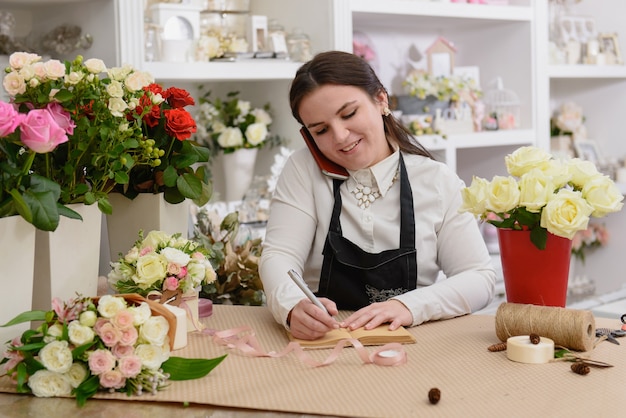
178,98
179,123
155,89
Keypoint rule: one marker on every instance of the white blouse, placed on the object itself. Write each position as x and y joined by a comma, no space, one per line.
446,241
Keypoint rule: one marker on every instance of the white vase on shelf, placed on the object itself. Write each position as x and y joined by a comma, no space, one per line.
147,212
238,172
17,246
67,259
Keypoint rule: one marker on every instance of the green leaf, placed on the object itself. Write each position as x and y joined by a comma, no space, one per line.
86,390
170,175
186,369
26,317
539,237
205,196
105,205
189,185
68,213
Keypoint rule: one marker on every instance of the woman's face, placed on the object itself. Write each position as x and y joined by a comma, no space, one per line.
347,125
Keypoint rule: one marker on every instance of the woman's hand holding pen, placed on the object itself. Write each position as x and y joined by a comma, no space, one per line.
308,322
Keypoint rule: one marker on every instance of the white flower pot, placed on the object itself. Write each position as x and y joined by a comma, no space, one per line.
147,212
17,246
67,259
238,172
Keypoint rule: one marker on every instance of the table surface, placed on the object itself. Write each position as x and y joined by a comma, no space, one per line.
451,355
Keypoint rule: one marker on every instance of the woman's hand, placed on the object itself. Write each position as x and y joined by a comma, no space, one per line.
392,311
308,322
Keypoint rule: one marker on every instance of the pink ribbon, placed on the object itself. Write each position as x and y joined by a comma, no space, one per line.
244,339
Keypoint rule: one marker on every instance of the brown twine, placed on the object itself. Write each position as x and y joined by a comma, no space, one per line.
569,328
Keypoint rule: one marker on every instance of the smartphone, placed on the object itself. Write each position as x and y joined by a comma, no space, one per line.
328,167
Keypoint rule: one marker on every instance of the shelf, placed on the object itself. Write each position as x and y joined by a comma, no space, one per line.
245,70
587,71
517,137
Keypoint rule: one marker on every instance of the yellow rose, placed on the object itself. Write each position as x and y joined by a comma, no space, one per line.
566,213
525,159
535,190
603,195
558,171
475,196
154,238
581,171
502,194
151,268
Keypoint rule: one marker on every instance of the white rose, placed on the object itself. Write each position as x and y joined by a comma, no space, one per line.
208,47
140,313
95,66
109,305
28,72
56,356
502,194
238,45
256,133
475,196
603,195
261,116
525,159
79,334
76,374
73,77
46,384
218,127
157,99
176,256
151,268
197,272
566,213
17,60
230,138
55,69
88,318
14,83
54,332
154,330
558,171
535,190
117,106
151,356
115,89
138,80
244,107
154,239
119,73
581,171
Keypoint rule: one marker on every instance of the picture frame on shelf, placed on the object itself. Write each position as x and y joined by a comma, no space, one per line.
609,46
587,149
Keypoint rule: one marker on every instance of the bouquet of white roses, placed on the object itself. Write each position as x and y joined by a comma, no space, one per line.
86,345
161,262
421,85
549,195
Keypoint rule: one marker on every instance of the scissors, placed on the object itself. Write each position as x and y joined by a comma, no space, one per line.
611,334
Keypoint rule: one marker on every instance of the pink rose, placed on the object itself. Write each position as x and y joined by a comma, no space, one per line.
120,350
10,118
99,324
112,379
109,334
40,132
62,117
170,283
130,366
123,319
101,361
129,336
183,272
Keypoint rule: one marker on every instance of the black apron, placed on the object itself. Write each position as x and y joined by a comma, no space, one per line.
354,278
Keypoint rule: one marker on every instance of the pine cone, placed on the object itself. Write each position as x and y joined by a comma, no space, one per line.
497,347
434,395
580,368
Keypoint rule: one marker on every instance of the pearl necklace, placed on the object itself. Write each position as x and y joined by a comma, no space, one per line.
366,195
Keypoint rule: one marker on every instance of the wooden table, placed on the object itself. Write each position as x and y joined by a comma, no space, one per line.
451,355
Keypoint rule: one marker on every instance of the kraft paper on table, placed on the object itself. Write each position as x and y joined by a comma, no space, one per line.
451,355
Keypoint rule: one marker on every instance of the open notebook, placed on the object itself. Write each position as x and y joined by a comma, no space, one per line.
377,336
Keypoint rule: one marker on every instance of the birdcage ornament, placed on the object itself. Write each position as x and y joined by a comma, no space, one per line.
502,105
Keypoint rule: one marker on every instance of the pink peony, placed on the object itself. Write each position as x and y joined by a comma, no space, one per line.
40,132
10,118
130,366
62,117
101,361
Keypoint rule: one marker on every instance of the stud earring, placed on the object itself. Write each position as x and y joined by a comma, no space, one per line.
386,111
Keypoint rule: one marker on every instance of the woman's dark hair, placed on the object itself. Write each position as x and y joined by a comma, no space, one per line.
346,69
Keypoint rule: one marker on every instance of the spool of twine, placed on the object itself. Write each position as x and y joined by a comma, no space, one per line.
569,328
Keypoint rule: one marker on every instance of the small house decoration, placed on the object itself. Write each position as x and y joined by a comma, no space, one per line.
503,105
180,27
440,56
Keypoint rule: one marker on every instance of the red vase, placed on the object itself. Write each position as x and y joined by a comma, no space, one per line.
531,275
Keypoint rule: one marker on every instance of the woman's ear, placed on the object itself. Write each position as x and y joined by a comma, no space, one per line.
382,98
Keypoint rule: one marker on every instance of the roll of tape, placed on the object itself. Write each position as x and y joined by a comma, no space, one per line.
521,349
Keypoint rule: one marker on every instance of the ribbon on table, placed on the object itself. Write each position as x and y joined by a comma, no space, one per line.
244,339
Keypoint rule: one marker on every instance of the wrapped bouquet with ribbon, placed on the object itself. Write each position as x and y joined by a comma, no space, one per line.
166,268
113,343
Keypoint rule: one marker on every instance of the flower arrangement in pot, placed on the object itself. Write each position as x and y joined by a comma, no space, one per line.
549,195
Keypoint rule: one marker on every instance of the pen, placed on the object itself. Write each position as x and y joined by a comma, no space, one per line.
300,282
